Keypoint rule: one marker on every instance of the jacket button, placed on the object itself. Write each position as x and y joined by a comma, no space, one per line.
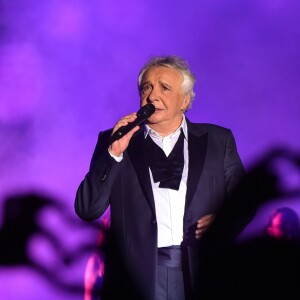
153,221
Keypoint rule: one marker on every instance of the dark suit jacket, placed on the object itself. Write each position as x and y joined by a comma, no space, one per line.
214,171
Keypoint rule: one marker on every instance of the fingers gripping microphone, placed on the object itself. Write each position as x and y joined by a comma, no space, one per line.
142,115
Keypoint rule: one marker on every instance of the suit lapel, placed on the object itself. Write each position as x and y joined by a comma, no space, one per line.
197,141
135,151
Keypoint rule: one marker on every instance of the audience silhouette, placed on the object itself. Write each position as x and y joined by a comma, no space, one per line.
94,271
261,267
283,224
22,223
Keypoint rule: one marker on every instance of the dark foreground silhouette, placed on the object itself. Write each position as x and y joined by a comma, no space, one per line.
263,267
22,223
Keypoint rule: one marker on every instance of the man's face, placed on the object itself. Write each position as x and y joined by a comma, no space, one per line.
161,86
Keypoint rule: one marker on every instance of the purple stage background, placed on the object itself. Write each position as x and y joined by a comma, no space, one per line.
68,69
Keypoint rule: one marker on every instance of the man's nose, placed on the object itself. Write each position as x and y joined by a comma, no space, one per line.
153,95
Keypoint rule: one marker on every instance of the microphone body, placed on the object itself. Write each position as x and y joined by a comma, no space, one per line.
142,115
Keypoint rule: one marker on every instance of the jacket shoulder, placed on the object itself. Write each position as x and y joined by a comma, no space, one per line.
210,128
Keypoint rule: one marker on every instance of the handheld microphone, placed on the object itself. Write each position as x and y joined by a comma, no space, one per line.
142,115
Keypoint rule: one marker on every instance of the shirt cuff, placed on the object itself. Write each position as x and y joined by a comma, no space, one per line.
117,158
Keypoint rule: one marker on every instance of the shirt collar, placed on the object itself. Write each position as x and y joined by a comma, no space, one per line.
182,127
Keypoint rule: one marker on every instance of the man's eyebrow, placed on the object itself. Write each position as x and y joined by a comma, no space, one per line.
165,83
145,82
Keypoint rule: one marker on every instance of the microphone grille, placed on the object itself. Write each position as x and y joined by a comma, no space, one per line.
146,110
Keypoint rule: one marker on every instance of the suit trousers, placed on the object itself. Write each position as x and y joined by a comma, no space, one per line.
170,283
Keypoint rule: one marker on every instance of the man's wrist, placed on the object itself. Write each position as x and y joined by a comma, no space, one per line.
117,158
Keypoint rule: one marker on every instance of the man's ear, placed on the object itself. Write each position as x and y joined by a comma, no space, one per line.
185,102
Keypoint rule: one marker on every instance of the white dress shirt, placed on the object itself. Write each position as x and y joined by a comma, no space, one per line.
169,204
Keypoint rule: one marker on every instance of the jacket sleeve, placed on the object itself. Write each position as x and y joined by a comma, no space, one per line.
93,193
237,211
234,170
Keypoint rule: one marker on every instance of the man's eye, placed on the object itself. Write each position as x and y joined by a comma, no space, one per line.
146,88
165,88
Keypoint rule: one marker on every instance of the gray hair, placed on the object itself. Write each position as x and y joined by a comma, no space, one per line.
173,62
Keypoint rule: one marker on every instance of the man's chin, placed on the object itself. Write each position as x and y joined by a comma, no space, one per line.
154,119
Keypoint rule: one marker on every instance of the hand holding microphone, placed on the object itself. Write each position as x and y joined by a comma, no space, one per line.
141,116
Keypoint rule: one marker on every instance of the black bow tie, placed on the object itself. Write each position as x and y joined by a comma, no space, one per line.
166,169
